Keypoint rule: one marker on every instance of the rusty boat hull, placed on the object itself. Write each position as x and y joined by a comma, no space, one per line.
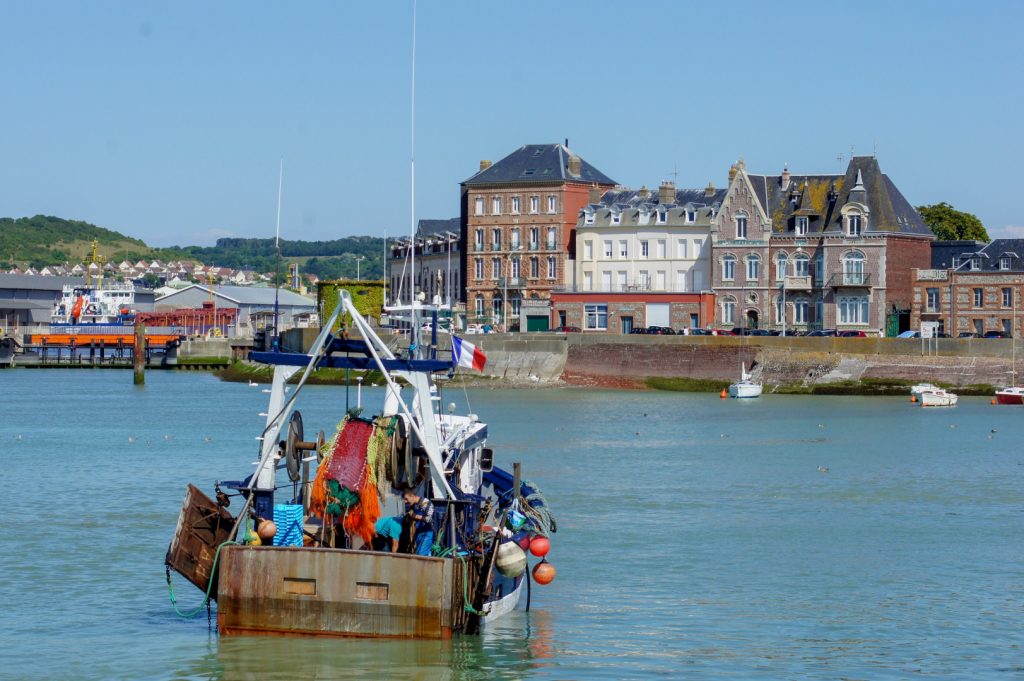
311,591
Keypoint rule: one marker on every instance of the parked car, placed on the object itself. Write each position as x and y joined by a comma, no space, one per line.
822,332
701,332
721,332
566,329
740,331
967,334
760,332
852,334
910,334
638,330
660,331
995,334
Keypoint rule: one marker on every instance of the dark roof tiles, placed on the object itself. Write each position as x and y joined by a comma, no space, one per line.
538,163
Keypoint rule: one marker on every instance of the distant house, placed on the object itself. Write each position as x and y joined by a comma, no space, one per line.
436,268
971,288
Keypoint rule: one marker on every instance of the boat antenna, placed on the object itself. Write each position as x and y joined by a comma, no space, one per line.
412,170
277,248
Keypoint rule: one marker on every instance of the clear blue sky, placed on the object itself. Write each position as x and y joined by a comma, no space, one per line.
167,120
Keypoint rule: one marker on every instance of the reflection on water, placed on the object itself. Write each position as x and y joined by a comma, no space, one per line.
791,537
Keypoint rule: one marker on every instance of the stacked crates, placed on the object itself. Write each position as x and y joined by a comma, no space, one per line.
288,518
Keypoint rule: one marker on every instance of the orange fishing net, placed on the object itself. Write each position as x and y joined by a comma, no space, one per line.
346,466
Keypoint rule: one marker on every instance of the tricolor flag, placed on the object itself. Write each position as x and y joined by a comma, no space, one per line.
466,355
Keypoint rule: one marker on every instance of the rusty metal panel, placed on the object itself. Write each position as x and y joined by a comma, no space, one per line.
333,592
202,527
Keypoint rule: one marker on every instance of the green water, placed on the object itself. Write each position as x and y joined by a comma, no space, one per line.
697,536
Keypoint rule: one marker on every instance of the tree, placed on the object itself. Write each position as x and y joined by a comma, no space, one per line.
949,223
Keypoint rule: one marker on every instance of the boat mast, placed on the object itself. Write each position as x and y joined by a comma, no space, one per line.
277,248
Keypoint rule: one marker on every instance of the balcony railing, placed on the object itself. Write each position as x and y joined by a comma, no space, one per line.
840,279
478,248
534,246
512,282
933,309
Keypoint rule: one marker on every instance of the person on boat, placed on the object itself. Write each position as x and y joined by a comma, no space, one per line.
420,511
389,531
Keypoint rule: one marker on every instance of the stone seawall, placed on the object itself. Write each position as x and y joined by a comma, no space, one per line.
627,361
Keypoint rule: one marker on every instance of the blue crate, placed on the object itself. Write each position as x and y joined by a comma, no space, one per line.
288,518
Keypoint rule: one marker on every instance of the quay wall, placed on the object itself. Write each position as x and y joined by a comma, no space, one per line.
627,361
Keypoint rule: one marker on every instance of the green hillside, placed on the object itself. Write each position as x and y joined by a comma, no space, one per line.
44,240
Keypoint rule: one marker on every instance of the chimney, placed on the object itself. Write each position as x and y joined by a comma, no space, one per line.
785,178
709,191
667,193
732,172
574,165
485,164
644,193
595,194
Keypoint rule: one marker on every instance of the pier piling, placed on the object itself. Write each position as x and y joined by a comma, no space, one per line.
139,354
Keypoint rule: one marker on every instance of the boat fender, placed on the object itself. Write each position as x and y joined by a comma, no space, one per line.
511,559
544,572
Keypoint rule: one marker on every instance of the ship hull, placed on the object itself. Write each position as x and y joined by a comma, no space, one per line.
333,592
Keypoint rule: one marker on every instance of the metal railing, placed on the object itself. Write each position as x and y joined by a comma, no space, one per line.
850,279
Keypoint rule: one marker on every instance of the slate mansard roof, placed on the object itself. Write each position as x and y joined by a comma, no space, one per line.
437,228
630,202
989,255
820,198
538,164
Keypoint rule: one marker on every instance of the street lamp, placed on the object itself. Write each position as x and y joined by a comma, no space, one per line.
359,259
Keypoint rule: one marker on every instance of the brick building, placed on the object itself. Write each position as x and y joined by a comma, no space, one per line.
518,228
817,251
977,291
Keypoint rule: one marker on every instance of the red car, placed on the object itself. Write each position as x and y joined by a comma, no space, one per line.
852,334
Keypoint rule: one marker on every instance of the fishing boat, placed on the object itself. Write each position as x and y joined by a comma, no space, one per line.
937,397
745,387
303,554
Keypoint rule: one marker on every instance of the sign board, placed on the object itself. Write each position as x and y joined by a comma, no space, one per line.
929,329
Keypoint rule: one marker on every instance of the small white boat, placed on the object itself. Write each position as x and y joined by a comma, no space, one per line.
745,387
922,387
938,398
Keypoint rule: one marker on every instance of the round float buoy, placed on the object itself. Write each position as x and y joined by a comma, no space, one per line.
539,546
267,530
511,559
723,394
544,572
913,398
252,539
993,400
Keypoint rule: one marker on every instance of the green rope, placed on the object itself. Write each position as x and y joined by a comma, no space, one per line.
467,604
209,587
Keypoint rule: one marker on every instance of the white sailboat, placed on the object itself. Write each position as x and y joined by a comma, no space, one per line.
745,387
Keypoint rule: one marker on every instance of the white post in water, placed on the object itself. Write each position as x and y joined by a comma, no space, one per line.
359,392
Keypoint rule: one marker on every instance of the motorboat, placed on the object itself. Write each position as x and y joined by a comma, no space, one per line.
1014,395
916,390
938,398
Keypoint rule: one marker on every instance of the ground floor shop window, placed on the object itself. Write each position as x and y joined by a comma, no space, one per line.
595,317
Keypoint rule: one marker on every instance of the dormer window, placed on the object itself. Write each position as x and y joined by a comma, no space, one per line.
975,262
741,226
616,218
1004,262
801,225
588,217
662,216
691,216
853,224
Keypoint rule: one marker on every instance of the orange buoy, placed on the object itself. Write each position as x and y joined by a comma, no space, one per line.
993,400
544,572
913,398
267,530
723,394
539,546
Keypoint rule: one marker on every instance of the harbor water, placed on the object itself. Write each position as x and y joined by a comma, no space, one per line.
786,537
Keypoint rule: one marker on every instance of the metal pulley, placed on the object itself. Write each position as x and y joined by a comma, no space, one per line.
295,447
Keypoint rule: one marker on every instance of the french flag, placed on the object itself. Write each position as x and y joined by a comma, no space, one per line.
466,355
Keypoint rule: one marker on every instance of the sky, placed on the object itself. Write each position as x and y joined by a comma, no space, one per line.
168,121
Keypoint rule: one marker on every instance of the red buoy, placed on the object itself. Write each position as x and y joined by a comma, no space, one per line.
539,546
544,572
724,394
